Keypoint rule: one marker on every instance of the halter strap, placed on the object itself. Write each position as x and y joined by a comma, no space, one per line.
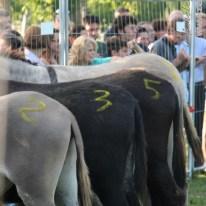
52,74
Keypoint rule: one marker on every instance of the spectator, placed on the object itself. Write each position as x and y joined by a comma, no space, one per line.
201,25
34,43
83,52
160,28
92,28
57,20
50,54
165,46
11,44
126,27
134,48
5,20
150,30
120,11
199,52
176,49
126,30
142,38
75,32
116,47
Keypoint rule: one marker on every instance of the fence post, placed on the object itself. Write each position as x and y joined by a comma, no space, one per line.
63,33
192,65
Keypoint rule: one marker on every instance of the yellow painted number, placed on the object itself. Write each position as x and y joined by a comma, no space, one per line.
24,111
103,99
148,83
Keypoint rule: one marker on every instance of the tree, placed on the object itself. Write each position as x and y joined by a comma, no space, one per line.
144,10
36,11
5,4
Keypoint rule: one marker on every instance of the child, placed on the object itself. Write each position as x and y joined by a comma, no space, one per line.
117,47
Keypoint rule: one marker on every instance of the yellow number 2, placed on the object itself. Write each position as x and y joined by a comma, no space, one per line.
24,111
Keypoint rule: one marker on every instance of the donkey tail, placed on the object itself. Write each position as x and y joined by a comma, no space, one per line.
83,173
179,160
193,139
140,172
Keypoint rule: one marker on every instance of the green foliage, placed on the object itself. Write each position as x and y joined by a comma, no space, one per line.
35,10
75,8
145,10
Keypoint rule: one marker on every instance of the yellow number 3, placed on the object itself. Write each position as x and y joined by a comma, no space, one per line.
105,94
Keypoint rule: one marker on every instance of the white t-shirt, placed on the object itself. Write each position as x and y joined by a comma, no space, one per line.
200,50
29,55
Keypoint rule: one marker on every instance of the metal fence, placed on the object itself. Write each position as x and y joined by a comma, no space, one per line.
70,13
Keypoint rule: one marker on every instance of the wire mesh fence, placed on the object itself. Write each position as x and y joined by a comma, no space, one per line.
39,24
114,27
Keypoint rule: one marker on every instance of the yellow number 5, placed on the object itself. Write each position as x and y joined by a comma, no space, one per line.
148,85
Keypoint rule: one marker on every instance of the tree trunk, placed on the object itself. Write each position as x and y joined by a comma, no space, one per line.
5,4
77,10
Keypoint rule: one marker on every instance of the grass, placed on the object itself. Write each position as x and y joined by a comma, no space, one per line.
197,190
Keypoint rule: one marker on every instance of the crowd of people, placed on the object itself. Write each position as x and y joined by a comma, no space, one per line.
126,35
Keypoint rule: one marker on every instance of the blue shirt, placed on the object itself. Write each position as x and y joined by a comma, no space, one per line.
101,60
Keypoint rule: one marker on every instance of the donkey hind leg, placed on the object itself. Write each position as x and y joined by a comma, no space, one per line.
37,190
30,199
5,185
67,188
167,192
36,185
129,184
